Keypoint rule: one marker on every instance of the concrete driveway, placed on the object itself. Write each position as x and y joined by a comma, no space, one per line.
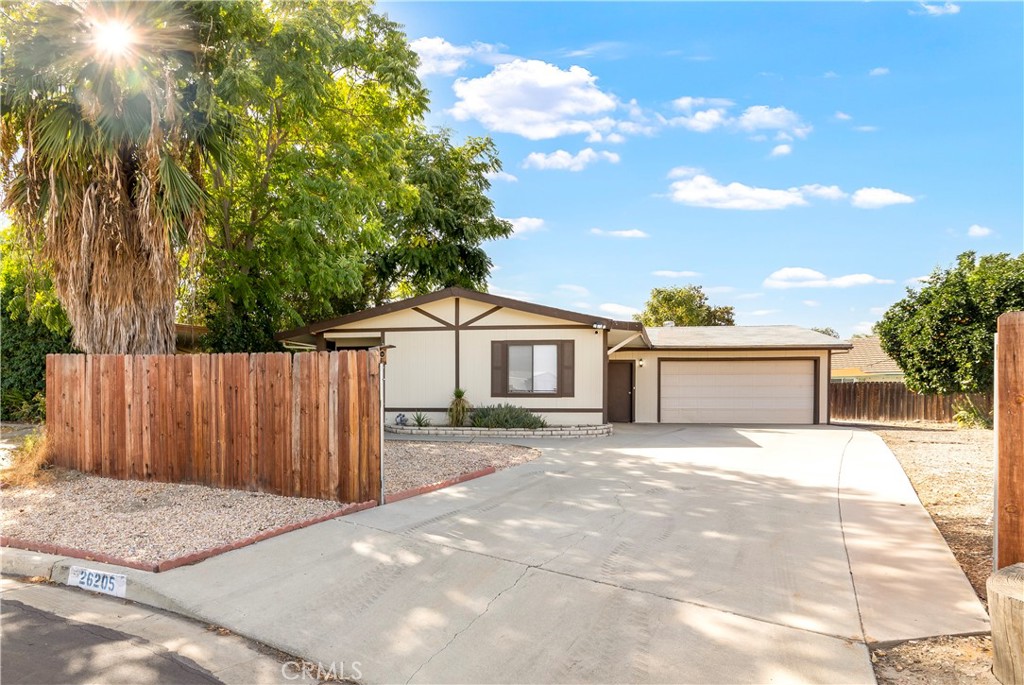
661,554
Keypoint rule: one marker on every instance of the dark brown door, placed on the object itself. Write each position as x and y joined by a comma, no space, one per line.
620,392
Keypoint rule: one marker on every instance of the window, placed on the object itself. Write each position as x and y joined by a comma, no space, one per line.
544,367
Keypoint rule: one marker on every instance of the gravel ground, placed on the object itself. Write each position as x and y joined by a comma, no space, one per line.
150,522
952,471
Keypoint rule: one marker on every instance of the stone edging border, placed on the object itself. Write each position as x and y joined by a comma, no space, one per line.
187,559
549,432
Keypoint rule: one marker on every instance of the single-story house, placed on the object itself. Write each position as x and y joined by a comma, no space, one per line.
578,368
865,361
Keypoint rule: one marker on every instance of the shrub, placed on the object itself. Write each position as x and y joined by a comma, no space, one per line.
30,463
25,340
421,419
970,415
506,416
458,410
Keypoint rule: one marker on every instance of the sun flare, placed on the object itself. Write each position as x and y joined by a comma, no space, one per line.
113,38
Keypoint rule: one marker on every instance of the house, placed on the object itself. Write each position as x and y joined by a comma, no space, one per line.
865,361
578,368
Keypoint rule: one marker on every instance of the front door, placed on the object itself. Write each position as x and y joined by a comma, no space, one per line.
620,392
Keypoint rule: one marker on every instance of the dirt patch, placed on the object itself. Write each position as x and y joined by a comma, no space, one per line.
952,470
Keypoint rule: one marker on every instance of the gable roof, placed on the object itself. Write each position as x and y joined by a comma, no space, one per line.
868,356
741,337
543,310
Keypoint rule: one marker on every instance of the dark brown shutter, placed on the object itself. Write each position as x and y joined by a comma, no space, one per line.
567,368
499,368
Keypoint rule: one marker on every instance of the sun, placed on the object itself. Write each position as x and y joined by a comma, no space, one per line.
113,38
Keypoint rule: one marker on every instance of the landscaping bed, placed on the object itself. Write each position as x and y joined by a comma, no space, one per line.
148,522
952,471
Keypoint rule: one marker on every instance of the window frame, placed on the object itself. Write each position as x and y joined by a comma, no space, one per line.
565,358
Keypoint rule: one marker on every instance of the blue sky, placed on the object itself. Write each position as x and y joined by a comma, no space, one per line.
803,162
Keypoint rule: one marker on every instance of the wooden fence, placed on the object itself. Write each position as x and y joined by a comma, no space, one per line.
893,401
305,425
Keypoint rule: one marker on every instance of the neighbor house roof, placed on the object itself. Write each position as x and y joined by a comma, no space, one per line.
543,310
741,337
868,356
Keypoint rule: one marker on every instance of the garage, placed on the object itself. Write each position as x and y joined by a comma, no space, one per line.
745,391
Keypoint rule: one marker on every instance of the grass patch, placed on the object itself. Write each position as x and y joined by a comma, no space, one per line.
30,463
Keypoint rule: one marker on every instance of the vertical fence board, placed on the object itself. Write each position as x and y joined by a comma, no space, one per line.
305,424
1009,428
893,401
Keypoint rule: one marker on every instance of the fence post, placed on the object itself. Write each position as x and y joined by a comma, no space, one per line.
1009,441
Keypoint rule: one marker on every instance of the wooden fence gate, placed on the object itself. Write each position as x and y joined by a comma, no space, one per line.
305,425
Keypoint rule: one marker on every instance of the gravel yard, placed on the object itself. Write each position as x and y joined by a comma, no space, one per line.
952,471
150,522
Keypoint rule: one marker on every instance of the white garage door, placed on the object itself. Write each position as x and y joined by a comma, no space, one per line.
747,391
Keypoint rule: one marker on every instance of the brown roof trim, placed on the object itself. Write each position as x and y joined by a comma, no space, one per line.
496,300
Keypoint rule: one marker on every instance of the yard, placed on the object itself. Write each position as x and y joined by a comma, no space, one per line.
952,471
149,522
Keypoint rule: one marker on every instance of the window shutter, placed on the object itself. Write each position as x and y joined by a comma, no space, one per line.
567,368
499,369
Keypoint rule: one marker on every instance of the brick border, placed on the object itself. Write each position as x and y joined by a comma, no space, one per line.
597,430
187,559
423,489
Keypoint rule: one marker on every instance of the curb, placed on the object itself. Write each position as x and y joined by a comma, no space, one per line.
423,489
185,560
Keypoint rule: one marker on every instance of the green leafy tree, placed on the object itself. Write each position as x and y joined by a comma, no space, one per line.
32,325
108,126
942,335
324,96
826,330
437,242
686,306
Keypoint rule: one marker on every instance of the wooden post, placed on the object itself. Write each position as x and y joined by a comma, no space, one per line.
1009,441
1006,586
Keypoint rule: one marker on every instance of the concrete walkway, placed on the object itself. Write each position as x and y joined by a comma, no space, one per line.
661,554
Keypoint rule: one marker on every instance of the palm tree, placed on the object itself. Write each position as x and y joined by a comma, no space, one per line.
108,123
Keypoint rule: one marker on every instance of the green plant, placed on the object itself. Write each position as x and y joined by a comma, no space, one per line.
421,419
506,416
969,415
459,408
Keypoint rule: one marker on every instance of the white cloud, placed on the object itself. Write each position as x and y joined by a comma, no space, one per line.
514,294
675,274
535,100
630,233
824,192
577,290
879,71
917,280
502,176
684,171
566,161
865,129
609,47
976,231
618,309
811,303
864,327
438,56
842,116
873,198
526,224
830,74
702,121
688,104
582,305
763,312
937,10
802,277
700,190
781,150
760,117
